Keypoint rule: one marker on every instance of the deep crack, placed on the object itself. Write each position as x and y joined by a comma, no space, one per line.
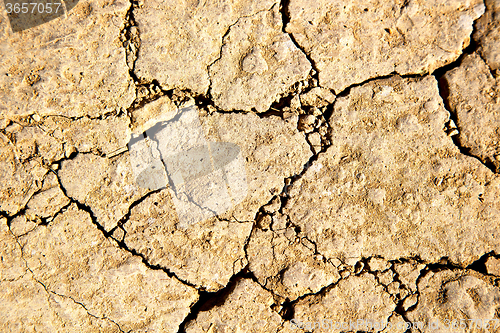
121,244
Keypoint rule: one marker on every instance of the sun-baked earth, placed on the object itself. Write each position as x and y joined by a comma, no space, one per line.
252,166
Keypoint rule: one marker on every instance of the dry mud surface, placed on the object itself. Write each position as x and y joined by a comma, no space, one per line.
353,181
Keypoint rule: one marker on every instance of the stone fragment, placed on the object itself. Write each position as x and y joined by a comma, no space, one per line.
352,42
72,66
306,123
493,266
345,274
265,222
437,203
180,39
162,109
408,273
118,234
295,103
487,34
474,96
403,293
448,295
317,97
287,268
107,186
315,141
386,277
258,63
410,301
273,206
290,116
247,308
279,222
204,254
69,151
378,264
73,259
354,298
393,288
18,181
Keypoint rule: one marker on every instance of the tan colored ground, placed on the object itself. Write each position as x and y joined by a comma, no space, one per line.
365,188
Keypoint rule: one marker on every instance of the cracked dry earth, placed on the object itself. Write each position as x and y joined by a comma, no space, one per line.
370,132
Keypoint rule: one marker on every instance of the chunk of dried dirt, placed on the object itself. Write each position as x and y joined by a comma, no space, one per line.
72,66
393,184
72,258
474,96
352,42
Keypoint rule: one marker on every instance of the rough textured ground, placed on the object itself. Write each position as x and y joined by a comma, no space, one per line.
369,132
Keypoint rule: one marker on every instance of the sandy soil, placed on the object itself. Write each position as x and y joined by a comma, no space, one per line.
250,166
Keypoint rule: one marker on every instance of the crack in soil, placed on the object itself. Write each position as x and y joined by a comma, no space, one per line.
121,244
53,292
285,16
444,93
152,91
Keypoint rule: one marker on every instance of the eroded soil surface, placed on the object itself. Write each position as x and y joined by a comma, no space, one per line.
368,137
